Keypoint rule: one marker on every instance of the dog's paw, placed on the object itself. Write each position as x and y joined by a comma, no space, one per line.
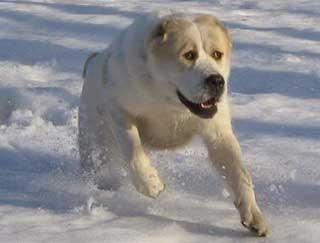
253,219
149,183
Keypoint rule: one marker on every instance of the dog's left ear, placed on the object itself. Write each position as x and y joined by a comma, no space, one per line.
228,35
213,21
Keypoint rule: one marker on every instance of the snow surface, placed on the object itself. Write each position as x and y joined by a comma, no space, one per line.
275,90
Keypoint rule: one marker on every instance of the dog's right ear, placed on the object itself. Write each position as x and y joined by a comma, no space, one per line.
159,33
163,29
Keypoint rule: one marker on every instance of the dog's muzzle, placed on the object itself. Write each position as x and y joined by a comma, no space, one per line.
214,85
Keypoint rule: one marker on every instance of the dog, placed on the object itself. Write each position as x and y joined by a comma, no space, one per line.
160,83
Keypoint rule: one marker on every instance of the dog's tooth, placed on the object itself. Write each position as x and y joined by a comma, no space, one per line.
205,106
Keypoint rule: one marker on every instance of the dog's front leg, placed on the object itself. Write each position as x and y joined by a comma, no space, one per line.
116,141
225,153
144,176
123,139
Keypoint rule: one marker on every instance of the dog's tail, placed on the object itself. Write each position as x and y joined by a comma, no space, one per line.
84,72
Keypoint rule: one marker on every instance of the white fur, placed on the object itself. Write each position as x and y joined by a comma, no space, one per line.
128,103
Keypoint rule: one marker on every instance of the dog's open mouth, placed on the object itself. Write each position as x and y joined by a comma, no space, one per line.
205,109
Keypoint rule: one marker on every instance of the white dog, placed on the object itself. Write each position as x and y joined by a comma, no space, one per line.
160,83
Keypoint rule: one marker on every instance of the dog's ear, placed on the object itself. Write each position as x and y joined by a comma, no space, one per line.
211,20
228,35
163,29
160,31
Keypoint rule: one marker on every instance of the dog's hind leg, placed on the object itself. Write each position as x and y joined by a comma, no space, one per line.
99,151
93,133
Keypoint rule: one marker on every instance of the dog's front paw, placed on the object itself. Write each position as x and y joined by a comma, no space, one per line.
149,183
253,219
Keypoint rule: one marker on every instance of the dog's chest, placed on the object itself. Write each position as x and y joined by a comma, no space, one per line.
165,132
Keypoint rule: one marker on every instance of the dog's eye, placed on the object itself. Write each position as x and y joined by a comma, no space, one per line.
190,55
217,55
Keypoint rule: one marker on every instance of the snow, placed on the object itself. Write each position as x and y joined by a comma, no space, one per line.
275,95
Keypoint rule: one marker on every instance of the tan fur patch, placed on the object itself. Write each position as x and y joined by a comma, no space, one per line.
205,19
172,39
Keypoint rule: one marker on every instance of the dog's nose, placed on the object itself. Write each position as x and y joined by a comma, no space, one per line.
215,81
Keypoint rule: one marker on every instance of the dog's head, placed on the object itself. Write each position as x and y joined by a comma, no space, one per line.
190,56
